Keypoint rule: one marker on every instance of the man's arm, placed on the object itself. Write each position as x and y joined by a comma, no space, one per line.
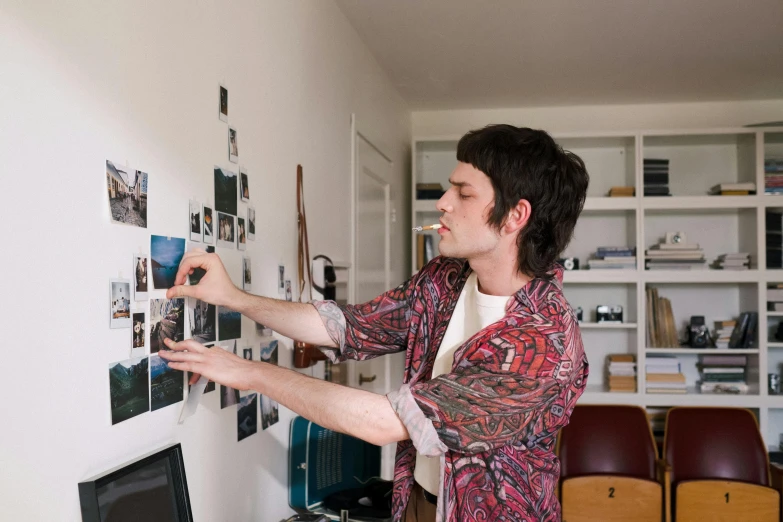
362,414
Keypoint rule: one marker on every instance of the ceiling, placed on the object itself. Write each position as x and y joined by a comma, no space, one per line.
453,54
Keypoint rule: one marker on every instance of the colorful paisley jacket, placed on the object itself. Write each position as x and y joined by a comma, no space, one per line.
494,419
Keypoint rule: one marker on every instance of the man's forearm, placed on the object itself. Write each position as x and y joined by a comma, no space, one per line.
300,321
362,414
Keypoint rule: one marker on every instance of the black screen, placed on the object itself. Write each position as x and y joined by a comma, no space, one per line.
144,494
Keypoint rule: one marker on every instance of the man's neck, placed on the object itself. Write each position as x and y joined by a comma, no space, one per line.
496,277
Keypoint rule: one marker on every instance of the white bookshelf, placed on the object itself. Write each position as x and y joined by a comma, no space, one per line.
699,159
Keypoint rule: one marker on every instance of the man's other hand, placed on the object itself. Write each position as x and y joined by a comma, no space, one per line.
215,286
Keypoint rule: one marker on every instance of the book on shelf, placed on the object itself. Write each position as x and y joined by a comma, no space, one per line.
723,374
661,329
429,190
425,251
621,372
675,256
733,189
622,192
733,261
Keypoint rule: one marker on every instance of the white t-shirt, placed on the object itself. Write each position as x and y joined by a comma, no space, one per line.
473,312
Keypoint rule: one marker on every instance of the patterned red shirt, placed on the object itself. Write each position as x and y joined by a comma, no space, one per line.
494,419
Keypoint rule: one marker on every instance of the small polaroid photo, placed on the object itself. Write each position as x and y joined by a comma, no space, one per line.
167,321
198,273
129,389
208,226
247,416
226,225
247,278
247,354
289,296
269,413
223,107
202,317
166,254
119,303
233,148
127,189
281,278
241,235
140,278
195,221
138,330
251,223
268,352
244,188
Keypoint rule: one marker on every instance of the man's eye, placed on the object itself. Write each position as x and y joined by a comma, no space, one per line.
463,196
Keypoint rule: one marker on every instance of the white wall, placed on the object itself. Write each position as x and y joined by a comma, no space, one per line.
602,118
86,81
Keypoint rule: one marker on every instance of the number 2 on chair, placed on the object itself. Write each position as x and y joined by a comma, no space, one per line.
727,498
611,492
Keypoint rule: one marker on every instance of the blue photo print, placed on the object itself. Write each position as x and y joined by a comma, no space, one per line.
167,385
229,324
166,254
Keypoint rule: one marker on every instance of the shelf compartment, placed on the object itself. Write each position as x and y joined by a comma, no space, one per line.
688,203
703,351
606,203
607,326
601,276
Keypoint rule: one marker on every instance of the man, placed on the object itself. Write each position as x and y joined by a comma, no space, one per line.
494,361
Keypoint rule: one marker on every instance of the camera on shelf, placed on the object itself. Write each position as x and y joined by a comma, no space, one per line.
569,263
675,238
609,314
698,333
579,313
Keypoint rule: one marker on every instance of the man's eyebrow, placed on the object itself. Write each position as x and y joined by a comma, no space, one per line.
460,183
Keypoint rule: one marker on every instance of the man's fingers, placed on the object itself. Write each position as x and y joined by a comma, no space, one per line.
190,345
190,261
181,291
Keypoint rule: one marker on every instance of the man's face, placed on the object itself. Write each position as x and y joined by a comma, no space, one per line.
466,207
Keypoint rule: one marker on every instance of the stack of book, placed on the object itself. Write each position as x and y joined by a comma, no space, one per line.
733,189
723,374
733,261
621,372
661,330
773,176
675,256
608,257
656,177
621,192
723,331
429,190
775,297
425,251
664,374
774,231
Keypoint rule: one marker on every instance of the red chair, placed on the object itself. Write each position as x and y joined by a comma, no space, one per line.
609,466
718,466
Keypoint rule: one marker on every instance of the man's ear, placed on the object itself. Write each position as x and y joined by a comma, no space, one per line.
517,217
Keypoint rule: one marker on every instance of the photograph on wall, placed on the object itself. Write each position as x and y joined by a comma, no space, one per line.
210,385
247,278
233,148
195,221
247,354
229,324
229,396
225,191
167,321
138,330
166,254
167,385
289,296
247,416
269,415
198,273
281,278
244,188
223,105
251,223
140,282
201,317
119,303
263,330
225,230
241,237
129,389
127,190
209,236
268,351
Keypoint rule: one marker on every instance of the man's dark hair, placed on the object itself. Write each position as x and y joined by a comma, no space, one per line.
525,163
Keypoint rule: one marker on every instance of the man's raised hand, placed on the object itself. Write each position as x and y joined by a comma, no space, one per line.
215,287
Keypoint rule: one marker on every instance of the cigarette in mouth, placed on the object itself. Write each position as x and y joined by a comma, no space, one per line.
428,227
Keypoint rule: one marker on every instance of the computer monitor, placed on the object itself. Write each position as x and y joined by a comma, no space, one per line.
152,488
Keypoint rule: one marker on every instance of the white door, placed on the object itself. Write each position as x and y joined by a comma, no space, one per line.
372,262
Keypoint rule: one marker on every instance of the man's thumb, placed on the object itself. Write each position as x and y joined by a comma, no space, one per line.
179,291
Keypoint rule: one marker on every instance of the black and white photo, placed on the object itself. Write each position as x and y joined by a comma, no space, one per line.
195,221
281,278
247,354
202,321
138,330
167,385
269,414
167,321
233,148
247,278
247,416
251,223
289,296
225,232
225,191
244,188
140,278
241,237
119,303
129,388
127,188
209,236
223,104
